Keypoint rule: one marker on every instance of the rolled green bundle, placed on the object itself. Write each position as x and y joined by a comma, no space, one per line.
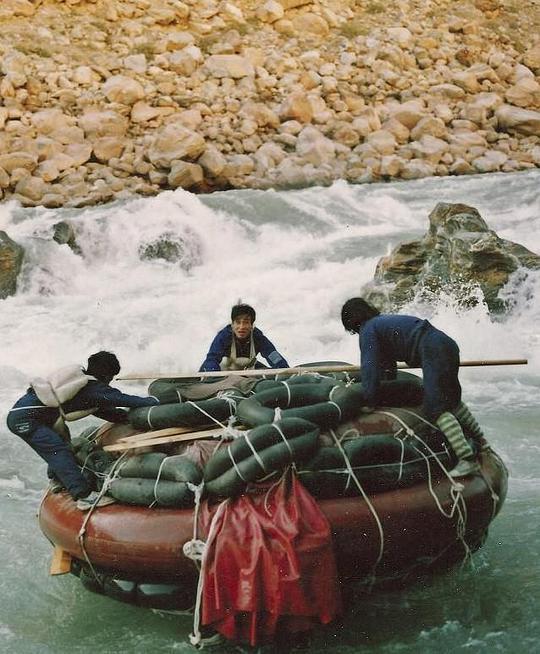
146,492
187,414
171,468
259,453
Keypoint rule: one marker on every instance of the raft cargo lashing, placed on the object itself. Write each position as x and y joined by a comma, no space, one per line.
379,478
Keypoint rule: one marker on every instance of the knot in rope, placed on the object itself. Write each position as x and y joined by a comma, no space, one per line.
194,549
277,414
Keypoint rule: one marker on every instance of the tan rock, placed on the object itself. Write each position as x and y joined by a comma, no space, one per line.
451,91
512,118
102,123
429,125
429,148
296,106
467,81
79,152
292,4
48,171
409,113
383,141
260,113
391,166
14,160
270,11
417,169
68,135
108,147
174,142
525,93
142,112
398,129
85,76
345,134
238,165
31,187
531,58
212,161
229,65
123,89
50,120
313,147
400,35
490,162
311,24
461,167
185,62
185,175
178,40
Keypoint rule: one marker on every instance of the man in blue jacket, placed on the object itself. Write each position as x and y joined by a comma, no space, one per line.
236,346
38,417
387,339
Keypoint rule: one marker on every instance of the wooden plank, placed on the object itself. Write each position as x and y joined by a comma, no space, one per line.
158,433
177,438
272,372
61,561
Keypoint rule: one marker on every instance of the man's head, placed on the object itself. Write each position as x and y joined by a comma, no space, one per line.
355,312
242,319
103,366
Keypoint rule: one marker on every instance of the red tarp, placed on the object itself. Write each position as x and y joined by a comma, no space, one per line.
270,566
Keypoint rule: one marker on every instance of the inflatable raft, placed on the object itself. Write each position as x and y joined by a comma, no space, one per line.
380,479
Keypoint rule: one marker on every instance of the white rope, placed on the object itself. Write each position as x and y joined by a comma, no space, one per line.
226,428
156,500
234,464
337,407
82,531
196,638
366,499
288,392
277,415
148,416
255,453
284,439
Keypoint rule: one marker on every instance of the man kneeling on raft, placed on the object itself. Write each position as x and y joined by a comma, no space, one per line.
386,339
70,393
236,346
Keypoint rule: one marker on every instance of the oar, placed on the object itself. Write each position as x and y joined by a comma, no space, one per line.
264,372
61,561
179,437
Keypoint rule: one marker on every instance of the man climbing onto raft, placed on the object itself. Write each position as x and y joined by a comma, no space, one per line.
235,347
386,339
39,418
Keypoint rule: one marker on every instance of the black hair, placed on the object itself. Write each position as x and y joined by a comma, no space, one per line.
240,309
103,365
355,312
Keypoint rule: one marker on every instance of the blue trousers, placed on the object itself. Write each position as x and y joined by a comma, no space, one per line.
56,452
440,367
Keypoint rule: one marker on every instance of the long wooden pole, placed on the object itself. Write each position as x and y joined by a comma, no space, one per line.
271,372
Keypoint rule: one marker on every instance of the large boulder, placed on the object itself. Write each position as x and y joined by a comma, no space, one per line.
11,258
459,254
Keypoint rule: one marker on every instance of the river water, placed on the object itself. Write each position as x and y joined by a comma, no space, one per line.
296,256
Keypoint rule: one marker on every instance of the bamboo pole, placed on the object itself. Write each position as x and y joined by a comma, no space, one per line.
271,372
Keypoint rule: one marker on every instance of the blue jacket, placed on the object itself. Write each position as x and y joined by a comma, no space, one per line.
95,394
385,340
221,347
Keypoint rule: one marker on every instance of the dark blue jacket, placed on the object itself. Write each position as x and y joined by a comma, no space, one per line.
95,394
385,340
221,347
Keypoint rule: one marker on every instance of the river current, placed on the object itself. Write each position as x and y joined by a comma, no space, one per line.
296,256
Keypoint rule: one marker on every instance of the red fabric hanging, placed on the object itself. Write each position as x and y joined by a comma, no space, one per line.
269,566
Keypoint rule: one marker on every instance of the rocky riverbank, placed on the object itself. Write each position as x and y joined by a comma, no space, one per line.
104,99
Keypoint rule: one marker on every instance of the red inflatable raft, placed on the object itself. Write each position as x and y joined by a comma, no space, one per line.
136,553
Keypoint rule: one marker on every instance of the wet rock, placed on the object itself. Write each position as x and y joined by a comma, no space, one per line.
64,234
184,250
11,258
458,253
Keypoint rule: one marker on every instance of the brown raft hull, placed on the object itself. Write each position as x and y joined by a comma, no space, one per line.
133,542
